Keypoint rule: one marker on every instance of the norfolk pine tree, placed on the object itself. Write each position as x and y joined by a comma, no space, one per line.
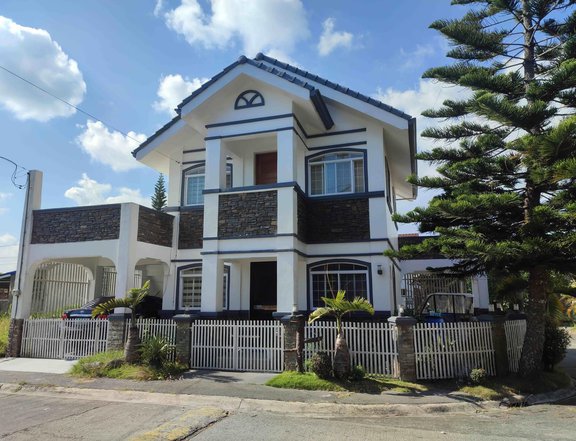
159,196
506,153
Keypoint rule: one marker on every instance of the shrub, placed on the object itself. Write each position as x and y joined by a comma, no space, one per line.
556,342
4,328
478,375
155,351
321,364
357,373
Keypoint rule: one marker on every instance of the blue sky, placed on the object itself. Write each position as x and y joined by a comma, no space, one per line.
130,62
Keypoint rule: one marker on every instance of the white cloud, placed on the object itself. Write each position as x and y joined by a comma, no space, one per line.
259,25
416,58
173,89
4,197
8,252
91,192
330,40
32,54
110,148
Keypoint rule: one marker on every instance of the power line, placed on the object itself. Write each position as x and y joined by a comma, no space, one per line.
78,109
68,103
14,175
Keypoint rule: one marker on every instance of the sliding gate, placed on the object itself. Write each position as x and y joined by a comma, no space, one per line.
238,345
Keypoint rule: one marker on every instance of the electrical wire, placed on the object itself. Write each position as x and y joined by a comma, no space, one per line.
126,135
15,175
67,103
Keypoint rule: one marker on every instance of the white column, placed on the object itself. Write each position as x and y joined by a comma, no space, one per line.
173,198
24,275
212,284
234,300
215,165
286,142
215,178
126,257
287,200
287,282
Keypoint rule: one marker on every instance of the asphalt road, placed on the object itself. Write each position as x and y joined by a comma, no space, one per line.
34,417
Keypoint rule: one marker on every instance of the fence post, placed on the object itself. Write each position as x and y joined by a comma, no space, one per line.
116,330
183,345
293,342
406,359
500,345
15,337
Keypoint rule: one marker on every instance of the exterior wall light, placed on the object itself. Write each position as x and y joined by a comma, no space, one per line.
379,270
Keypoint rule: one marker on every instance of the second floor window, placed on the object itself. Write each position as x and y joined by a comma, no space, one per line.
336,173
194,184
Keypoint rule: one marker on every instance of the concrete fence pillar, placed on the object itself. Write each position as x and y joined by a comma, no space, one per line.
500,346
293,342
116,332
15,337
183,338
406,360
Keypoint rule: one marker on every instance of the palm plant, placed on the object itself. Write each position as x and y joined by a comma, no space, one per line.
131,301
338,307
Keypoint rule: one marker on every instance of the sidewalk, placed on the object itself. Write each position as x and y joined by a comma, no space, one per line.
228,389
240,385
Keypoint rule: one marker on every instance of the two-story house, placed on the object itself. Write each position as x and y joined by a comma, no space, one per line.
281,190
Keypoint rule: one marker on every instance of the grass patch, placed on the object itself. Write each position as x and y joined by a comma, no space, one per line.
305,381
111,365
499,388
371,384
4,328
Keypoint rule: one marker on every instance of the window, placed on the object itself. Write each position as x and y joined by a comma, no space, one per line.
191,288
194,184
337,173
249,98
327,279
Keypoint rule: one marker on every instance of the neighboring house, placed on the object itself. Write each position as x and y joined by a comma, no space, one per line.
281,189
6,283
418,281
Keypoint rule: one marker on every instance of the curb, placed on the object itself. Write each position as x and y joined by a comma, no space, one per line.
233,404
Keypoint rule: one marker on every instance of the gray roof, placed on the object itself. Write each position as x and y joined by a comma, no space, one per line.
281,70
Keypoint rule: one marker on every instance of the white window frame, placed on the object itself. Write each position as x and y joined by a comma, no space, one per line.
190,174
194,272
198,274
338,272
317,160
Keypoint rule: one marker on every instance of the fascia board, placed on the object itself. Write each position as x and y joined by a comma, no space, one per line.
160,139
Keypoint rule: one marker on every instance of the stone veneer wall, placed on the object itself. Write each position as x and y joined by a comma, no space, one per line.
337,220
155,227
191,229
78,224
247,214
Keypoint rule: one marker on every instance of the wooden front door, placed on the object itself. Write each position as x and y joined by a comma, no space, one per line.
266,168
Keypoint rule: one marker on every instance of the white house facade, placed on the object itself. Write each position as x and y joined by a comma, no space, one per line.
281,188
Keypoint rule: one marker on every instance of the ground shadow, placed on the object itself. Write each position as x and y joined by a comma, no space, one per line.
216,376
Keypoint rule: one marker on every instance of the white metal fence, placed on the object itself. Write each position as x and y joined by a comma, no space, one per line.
238,345
372,345
59,285
67,339
165,328
452,350
515,332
